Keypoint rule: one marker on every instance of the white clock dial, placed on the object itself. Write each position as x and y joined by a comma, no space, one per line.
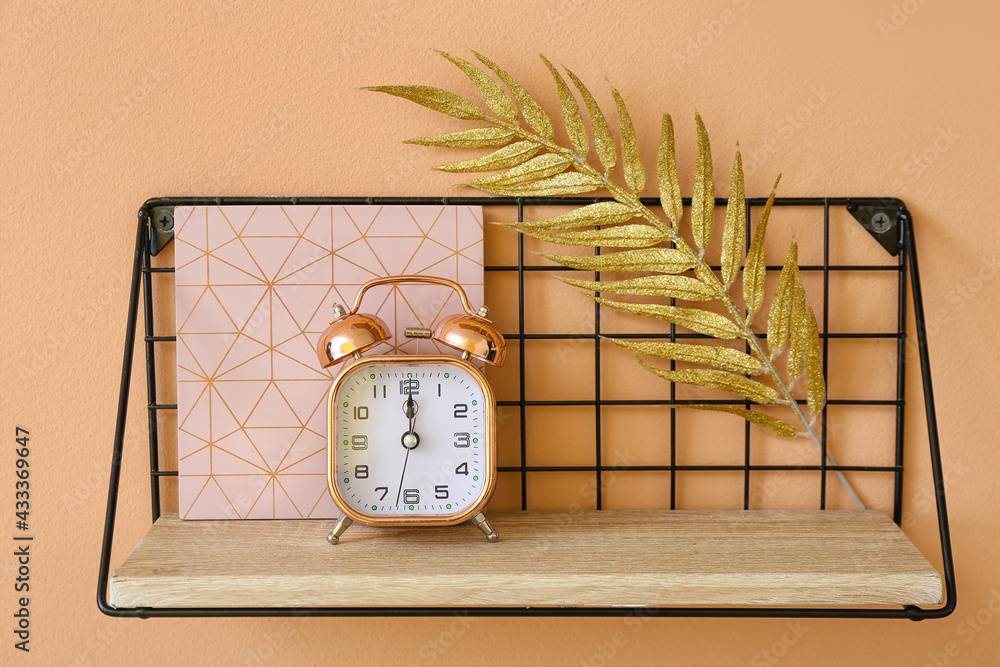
410,439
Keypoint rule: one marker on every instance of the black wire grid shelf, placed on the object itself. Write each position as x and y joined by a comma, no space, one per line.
887,219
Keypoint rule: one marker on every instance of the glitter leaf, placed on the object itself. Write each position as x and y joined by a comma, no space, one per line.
674,287
700,321
661,260
755,270
491,91
570,111
666,170
815,385
602,213
758,392
710,355
635,175
603,141
528,162
537,119
779,317
623,236
508,156
703,197
734,233
561,184
538,167
434,98
766,422
798,332
479,137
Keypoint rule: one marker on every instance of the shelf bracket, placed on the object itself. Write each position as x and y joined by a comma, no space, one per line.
161,229
882,219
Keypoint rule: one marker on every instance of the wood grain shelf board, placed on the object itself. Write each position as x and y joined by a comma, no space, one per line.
607,558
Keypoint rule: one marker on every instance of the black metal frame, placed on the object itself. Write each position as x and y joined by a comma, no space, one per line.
153,234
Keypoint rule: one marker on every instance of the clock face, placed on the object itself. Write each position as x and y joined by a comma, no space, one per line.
411,439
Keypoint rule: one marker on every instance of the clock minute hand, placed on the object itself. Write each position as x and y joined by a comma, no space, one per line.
401,476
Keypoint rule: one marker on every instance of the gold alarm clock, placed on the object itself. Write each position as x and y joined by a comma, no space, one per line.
411,437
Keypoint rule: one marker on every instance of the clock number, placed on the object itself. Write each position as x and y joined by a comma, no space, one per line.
361,412
462,469
441,492
409,387
359,442
461,411
411,495
461,439
439,389
383,489
375,391
361,472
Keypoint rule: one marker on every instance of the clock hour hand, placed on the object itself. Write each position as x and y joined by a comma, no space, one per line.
410,408
410,439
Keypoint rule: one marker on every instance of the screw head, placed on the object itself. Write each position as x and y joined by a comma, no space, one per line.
164,220
881,222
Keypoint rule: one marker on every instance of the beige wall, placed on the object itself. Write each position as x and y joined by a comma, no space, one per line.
106,104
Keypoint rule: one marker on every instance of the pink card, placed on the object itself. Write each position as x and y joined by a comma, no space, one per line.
255,287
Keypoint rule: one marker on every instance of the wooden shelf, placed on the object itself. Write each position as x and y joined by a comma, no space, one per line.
607,558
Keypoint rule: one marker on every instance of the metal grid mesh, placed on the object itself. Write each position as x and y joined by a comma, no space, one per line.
674,468
819,268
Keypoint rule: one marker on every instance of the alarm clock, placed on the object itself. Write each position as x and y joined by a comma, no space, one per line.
411,437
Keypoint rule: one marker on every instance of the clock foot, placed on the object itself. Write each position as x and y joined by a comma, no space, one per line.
342,525
480,522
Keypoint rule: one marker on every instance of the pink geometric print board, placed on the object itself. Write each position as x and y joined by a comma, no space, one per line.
255,286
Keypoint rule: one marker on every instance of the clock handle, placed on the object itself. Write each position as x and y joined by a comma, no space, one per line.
424,280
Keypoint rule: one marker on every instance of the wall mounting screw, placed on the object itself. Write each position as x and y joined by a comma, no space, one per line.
881,222
164,221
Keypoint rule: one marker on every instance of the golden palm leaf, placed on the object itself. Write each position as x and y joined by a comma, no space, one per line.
528,161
